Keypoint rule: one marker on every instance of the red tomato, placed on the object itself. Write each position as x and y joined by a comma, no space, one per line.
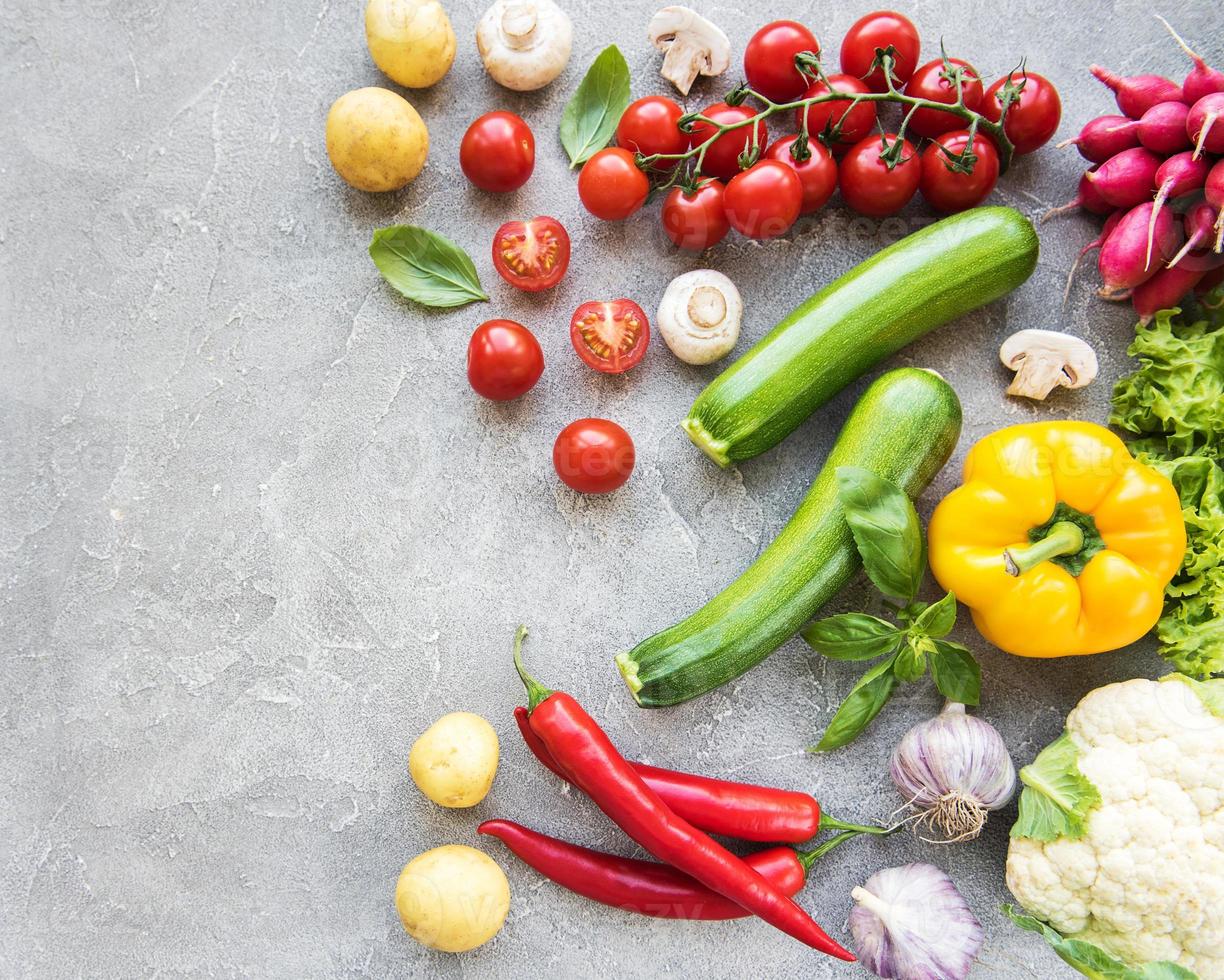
769,59
531,255
648,127
696,221
879,30
498,152
869,186
1031,121
928,82
593,456
504,360
855,123
610,337
611,185
722,158
764,201
949,190
817,174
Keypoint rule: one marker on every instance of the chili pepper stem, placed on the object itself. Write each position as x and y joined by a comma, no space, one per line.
536,692
1064,538
809,858
832,823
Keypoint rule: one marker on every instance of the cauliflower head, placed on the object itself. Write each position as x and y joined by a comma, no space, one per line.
1120,838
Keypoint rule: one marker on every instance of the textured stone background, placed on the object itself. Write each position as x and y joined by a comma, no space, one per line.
256,533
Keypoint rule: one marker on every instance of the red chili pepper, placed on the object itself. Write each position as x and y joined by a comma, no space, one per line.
719,806
590,761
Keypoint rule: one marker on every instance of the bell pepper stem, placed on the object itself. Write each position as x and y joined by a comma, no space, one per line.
536,692
1064,538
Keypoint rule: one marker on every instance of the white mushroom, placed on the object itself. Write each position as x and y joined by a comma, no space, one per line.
692,46
1045,359
699,316
524,43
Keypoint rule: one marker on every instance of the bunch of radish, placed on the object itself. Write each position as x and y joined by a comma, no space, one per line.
1158,175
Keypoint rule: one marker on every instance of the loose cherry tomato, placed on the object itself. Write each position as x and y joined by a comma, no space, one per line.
648,127
817,174
531,255
593,456
610,337
611,185
764,200
946,189
504,360
497,153
929,82
722,157
1031,121
697,220
869,186
769,59
854,123
879,30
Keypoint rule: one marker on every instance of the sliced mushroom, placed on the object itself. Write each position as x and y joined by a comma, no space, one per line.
524,43
1045,359
699,316
692,46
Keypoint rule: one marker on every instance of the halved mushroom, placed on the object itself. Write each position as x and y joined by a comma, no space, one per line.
524,43
699,316
692,46
1046,359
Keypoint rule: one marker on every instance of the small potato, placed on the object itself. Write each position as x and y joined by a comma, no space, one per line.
375,139
411,41
452,898
455,759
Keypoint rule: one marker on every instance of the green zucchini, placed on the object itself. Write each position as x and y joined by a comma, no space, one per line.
904,428
875,309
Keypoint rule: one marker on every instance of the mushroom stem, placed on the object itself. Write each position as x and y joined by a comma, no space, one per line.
681,64
1040,373
518,24
707,307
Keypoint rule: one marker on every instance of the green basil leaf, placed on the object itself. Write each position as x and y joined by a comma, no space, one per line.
862,704
912,659
1057,797
886,530
852,636
591,115
956,673
425,267
937,619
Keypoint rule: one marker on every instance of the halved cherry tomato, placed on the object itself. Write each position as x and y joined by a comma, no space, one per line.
853,124
611,185
1031,121
504,360
817,174
722,157
880,30
769,59
929,82
593,455
497,152
946,189
648,127
764,201
610,336
867,184
696,220
531,255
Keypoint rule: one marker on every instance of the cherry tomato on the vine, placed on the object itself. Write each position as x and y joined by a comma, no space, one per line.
879,30
504,360
853,124
867,184
946,189
929,82
764,200
722,157
648,127
769,59
593,456
1031,121
611,185
696,220
817,174
531,255
497,153
610,337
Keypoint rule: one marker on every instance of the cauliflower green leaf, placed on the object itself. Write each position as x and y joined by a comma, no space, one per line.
1211,692
1056,799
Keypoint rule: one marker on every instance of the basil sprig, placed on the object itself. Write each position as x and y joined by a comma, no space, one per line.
889,539
591,115
425,267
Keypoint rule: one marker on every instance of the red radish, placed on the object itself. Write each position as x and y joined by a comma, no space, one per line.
1201,124
1209,282
1162,129
1110,224
1213,190
1178,175
1086,197
1122,262
1126,178
1137,94
1164,290
1105,137
1200,222
1203,79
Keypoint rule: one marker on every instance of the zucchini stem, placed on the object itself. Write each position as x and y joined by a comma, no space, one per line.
716,449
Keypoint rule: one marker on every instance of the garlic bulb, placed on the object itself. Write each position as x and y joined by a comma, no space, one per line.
954,769
910,923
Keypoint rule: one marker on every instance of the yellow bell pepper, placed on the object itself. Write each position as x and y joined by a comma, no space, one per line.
1059,541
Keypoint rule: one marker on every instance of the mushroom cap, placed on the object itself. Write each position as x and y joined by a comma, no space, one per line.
524,44
1046,359
700,315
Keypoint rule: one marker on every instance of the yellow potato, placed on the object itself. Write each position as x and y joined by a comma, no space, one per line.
375,139
410,40
455,759
452,898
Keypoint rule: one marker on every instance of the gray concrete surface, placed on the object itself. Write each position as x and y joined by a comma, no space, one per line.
256,533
